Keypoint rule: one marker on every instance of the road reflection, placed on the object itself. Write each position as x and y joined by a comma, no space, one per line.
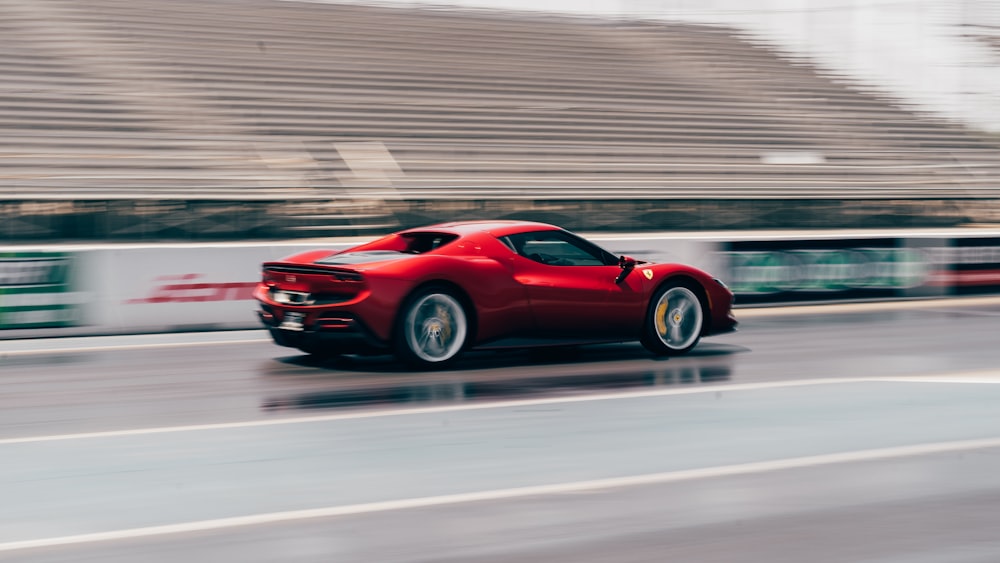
457,389
528,358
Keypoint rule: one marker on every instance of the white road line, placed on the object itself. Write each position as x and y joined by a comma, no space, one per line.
510,493
119,347
984,378
727,388
434,409
866,307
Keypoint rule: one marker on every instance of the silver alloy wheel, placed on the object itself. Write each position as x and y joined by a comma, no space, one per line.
435,327
678,318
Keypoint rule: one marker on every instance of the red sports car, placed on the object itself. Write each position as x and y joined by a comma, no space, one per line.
429,293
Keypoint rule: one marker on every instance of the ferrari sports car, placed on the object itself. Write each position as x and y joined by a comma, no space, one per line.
427,294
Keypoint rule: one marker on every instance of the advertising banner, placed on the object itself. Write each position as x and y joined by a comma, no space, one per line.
817,270
967,266
183,288
37,290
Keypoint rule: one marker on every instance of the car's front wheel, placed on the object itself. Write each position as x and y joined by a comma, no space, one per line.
674,321
432,330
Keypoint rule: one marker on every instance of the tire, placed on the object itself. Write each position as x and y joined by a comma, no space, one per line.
674,321
432,330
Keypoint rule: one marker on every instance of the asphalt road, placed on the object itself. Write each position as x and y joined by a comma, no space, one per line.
863,433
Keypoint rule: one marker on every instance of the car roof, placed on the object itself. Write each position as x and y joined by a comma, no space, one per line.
497,228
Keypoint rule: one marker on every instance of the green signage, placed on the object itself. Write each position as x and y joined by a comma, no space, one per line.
36,290
825,270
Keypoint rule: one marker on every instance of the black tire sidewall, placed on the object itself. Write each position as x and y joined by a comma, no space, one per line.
401,346
651,339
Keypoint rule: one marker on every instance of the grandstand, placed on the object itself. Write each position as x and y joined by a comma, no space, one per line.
222,118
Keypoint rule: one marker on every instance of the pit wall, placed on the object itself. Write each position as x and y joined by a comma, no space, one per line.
128,289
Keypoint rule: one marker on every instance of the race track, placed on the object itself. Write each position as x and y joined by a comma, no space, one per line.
847,433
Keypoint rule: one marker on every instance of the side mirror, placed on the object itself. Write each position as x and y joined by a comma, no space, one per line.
627,264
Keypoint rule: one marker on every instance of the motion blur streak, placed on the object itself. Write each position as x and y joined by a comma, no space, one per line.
478,406
47,347
123,494
976,377
551,489
873,307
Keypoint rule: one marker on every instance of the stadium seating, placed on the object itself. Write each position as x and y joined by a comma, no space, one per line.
355,105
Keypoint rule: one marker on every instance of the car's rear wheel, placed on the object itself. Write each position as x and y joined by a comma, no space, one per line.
674,321
432,330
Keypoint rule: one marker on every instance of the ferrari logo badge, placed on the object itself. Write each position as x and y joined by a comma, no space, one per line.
648,273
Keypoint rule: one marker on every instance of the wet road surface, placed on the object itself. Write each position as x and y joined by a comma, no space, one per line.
870,435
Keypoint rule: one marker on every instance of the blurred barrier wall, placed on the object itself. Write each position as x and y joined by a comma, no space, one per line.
790,270
64,291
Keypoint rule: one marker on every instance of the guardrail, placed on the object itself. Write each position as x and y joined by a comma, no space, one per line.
122,289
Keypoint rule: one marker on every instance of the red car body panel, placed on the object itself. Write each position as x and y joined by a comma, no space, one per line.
357,293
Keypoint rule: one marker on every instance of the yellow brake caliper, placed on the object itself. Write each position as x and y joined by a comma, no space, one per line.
661,317
445,316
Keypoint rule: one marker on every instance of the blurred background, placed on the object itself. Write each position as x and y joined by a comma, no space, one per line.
155,152
187,120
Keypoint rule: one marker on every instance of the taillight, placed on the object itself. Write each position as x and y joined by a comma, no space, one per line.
303,286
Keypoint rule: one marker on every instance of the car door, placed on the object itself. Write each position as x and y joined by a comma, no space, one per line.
571,287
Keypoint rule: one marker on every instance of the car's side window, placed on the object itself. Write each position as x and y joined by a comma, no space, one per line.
556,248
508,243
419,243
